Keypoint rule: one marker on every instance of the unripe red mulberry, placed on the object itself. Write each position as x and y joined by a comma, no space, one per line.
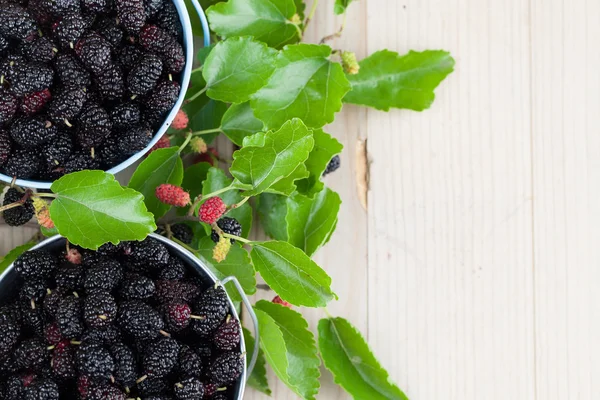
211,210
172,195
181,120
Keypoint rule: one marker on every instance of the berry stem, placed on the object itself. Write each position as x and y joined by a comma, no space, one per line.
195,96
185,143
311,15
52,195
185,246
207,131
336,34
241,239
11,205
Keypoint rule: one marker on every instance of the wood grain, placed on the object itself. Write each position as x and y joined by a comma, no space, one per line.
474,273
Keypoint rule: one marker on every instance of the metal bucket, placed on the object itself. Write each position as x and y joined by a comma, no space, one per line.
9,277
188,47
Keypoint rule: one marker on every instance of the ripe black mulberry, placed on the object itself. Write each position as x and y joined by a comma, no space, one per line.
94,126
17,216
143,77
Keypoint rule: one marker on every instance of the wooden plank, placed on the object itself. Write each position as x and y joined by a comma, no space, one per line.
566,144
450,231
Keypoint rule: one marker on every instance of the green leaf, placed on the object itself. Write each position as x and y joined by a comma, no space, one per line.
301,348
340,6
354,367
203,53
292,274
300,7
208,116
267,158
266,20
193,177
305,85
236,264
272,209
325,148
387,79
49,232
161,166
258,377
273,345
215,180
13,254
310,222
91,209
239,121
287,185
237,68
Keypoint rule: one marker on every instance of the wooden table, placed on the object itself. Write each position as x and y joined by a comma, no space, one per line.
475,270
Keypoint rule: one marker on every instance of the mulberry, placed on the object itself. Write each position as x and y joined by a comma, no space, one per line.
109,152
228,225
161,358
94,126
94,52
152,386
15,22
190,364
69,29
168,20
35,264
58,151
43,389
41,49
69,277
125,364
8,106
129,56
226,368
31,354
152,7
227,336
174,270
17,216
52,301
333,165
94,360
5,146
163,98
99,309
23,163
33,77
79,161
95,6
176,291
183,233
104,276
109,29
213,306
68,317
10,334
211,210
139,320
157,40
176,316
189,389
143,77
172,195
148,255
110,83
66,105
71,72
107,335
63,361
63,7
181,120
132,15
104,391
125,115
32,132
137,287
34,102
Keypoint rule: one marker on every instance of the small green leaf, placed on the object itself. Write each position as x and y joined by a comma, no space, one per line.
287,185
236,264
300,7
267,158
340,6
387,79
266,20
49,232
272,209
239,121
301,348
305,85
354,367
13,254
193,177
292,274
310,222
273,345
161,166
325,148
91,209
258,377
215,180
237,68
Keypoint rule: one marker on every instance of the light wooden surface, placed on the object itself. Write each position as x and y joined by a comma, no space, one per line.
475,272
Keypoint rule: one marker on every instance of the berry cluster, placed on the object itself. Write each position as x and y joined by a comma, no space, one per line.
84,84
127,321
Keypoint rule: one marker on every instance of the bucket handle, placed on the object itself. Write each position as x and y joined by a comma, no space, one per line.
203,22
246,302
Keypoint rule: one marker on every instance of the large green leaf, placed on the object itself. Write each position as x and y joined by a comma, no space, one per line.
236,264
287,185
258,377
239,121
273,345
272,209
387,79
215,180
340,6
237,68
193,177
267,158
305,85
325,148
301,348
91,209
354,367
13,254
266,20
208,116
161,166
310,222
292,274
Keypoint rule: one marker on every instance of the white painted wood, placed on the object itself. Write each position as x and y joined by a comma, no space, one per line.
475,272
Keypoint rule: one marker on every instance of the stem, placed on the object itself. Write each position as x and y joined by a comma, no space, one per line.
52,195
197,69
207,131
185,246
241,203
194,97
241,239
300,32
336,34
11,205
311,15
185,143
